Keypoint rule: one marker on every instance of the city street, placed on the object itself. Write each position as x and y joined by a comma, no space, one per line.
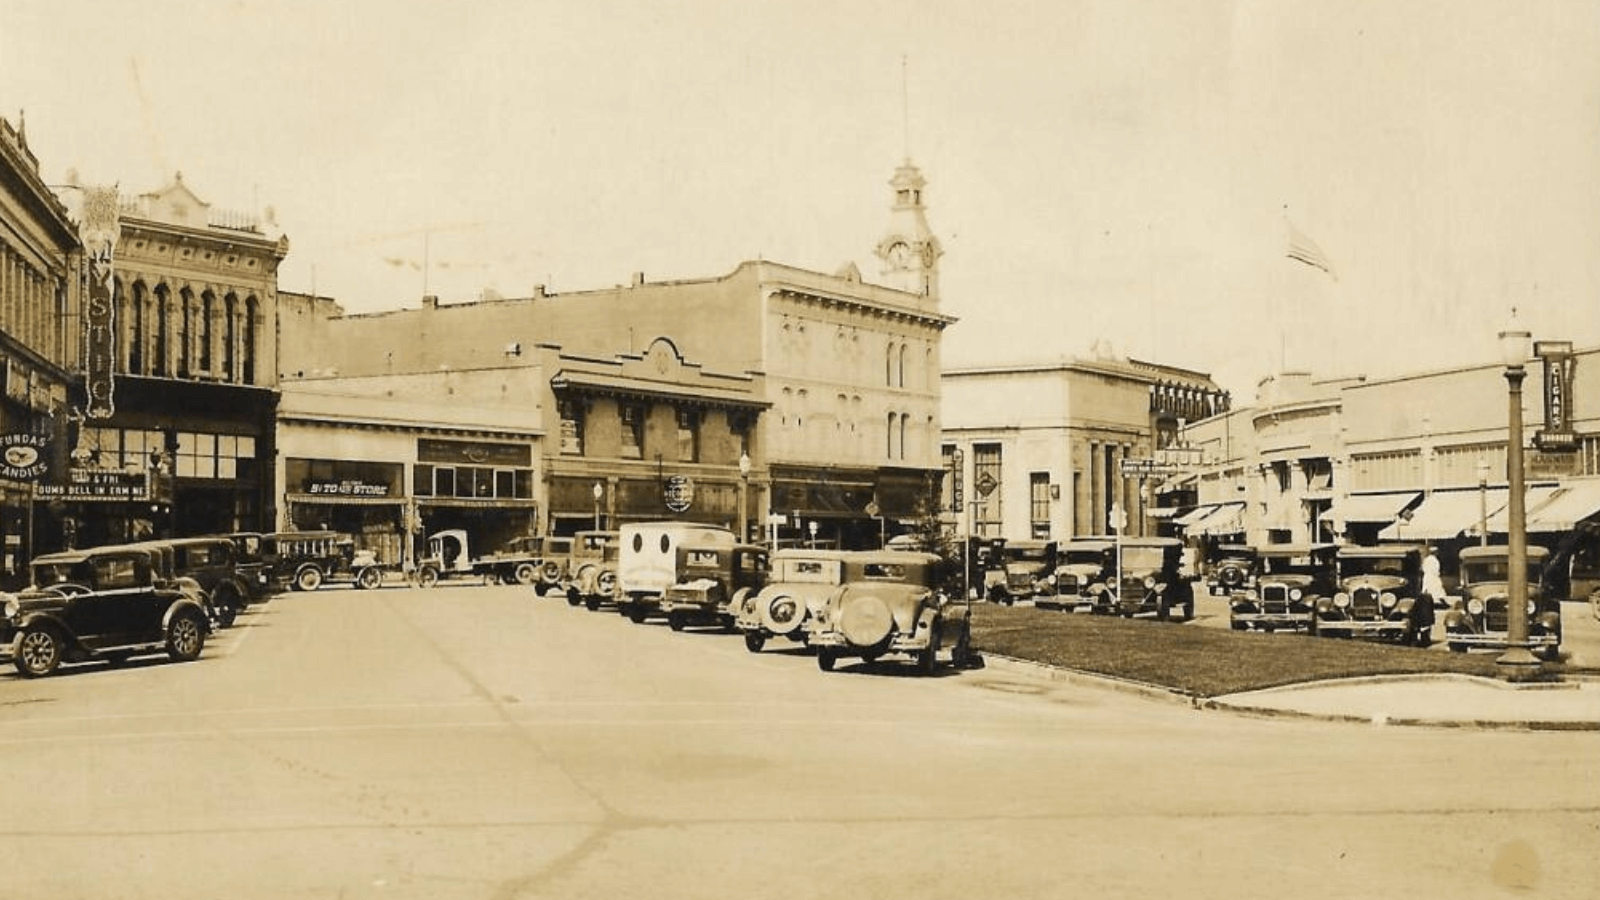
474,742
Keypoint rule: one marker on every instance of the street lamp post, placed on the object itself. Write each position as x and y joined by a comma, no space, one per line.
599,493
744,493
1515,345
1483,503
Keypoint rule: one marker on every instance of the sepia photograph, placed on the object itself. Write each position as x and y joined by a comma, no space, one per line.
544,450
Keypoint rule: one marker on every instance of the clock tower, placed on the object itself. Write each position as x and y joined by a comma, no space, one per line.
909,251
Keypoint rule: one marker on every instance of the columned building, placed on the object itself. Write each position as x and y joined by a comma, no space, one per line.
1037,451
40,264
177,432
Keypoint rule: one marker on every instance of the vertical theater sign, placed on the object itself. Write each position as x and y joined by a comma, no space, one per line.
100,231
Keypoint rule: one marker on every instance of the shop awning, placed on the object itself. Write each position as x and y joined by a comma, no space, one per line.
1445,514
1371,507
1227,518
1196,514
1552,510
1162,512
342,500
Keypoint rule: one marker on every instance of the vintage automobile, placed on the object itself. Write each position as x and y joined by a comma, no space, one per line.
1024,567
1288,582
1480,616
538,560
1080,564
1378,596
212,563
250,562
647,561
713,582
892,604
592,569
985,574
1151,582
799,583
305,560
104,603
1233,569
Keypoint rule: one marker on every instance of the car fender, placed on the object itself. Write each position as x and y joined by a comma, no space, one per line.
48,619
178,607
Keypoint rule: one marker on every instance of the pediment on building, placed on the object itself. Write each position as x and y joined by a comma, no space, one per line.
175,204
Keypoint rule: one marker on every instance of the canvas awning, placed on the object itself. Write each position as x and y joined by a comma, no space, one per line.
1196,514
1554,510
1225,519
1371,507
1445,514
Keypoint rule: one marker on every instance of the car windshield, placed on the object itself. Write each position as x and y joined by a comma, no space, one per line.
1482,570
1143,557
1085,557
1027,554
1372,565
1291,565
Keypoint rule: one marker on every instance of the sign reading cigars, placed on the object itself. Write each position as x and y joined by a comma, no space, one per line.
1559,367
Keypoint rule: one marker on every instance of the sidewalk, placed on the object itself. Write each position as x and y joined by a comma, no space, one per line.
1450,701
1460,701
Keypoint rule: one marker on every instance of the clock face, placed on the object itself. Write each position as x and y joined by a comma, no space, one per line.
899,253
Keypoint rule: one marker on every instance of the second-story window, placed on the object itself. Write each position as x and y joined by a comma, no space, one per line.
632,415
571,413
688,435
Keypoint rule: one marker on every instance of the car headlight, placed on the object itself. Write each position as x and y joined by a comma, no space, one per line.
12,607
1051,580
1295,594
1388,600
1532,607
1149,583
1341,600
1475,606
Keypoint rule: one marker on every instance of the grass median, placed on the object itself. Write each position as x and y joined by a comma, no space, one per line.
1201,661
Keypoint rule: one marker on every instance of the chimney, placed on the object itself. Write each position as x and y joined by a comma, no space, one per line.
430,301
538,291
638,279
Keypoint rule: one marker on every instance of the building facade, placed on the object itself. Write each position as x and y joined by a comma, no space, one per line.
827,383
1037,451
40,283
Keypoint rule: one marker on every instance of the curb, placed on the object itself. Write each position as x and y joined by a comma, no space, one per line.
1213,704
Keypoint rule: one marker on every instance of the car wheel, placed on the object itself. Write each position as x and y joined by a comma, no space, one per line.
1549,653
573,597
675,621
636,616
37,651
1239,626
826,659
1457,647
186,637
308,579
369,579
592,604
1423,637
427,577
961,653
525,573
754,641
227,613
927,660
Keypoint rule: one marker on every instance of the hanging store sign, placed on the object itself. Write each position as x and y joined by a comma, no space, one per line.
99,231
22,456
1559,367
678,492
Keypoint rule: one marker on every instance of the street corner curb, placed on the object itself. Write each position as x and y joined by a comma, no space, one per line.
1090,679
1382,721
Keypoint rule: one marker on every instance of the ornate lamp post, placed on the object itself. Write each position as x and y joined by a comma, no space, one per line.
599,494
1515,345
744,494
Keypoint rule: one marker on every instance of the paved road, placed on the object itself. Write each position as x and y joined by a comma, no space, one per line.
472,742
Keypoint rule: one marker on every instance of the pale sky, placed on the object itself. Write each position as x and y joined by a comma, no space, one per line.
1096,168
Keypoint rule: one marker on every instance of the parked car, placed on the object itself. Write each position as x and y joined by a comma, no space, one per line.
1151,581
103,603
212,563
798,586
305,560
892,605
713,581
1288,582
1379,596
1480,616
647,561
985,572
538,560
592,569
250,561
1233,569
1023,567
1080,564
164,573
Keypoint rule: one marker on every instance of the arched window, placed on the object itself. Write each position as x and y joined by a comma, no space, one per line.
252,315
186,332
901,380
888,437
230,336
904,418
162,364
136,313
888,365
208,306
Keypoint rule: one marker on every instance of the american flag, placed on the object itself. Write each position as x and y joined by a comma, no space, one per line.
1304,249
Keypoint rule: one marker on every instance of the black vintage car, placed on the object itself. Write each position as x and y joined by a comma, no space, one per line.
1080,564
1024,568
104,603
1151,581
1233,569
1480,617
713,582
212,563
1288,582
1379,596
